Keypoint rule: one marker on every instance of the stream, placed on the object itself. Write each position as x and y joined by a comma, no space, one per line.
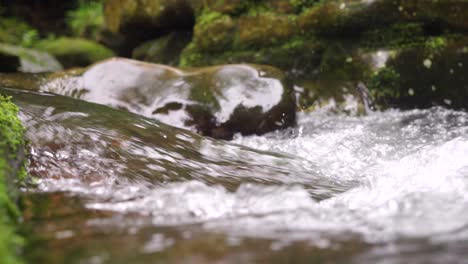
114,187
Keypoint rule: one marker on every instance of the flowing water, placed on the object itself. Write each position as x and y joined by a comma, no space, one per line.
114,187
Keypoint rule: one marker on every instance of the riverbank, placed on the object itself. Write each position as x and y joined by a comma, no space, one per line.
11,169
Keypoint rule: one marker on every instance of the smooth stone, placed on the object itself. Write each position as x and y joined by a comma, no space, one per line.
217,101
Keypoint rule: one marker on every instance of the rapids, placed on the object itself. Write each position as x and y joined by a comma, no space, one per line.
114,187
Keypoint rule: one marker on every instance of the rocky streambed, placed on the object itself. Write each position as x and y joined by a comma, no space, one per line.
114,187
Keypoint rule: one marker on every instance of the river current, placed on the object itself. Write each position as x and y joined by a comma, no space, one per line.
114,187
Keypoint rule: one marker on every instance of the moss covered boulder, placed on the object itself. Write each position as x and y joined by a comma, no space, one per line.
263,24
247,31
28,60
433,73
12,148
214,101
74,52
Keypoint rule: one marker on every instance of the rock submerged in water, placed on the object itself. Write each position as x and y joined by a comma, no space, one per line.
215,101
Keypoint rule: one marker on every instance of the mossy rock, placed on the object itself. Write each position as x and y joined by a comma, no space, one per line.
422,76
75,52
164,50
335,80
214,101
216,33
31,60
260,26
265,29
350,16
12,146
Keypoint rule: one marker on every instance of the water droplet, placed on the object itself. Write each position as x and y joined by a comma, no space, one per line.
427,63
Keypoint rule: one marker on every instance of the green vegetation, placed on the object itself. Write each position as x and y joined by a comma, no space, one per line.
74,51
16,31
436,43
11,143
385,83
395,36
87,19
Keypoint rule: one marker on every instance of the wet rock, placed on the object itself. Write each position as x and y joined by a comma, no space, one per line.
214,101
164,50
334,83
75,52
422,76
30,60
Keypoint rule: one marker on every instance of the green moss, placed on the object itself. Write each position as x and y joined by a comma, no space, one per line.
16,31
265,29
87,19
294,43
190,56
301,5
75,51
385,84
395,36
208,16
11,135
436,43
214,32
301,54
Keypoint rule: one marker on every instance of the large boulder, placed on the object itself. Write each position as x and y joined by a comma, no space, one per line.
263,26
215,101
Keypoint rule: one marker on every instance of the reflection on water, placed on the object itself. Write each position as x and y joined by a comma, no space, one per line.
113,187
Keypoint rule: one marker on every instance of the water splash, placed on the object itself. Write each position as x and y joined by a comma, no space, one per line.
394,182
